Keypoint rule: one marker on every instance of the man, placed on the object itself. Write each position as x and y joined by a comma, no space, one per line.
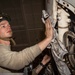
17,60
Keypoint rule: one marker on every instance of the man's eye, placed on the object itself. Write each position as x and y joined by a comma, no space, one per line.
3,26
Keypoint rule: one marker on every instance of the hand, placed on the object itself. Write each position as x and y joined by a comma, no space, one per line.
49,30
49,35
46,59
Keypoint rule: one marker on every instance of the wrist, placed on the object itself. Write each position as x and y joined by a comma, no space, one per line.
48,39
42,64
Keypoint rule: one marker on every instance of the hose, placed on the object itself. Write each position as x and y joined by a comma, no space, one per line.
71,47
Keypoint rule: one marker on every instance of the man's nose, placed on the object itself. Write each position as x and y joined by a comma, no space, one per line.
8,26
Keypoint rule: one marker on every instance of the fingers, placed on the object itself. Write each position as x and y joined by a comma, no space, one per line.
49,30
48,21
48,24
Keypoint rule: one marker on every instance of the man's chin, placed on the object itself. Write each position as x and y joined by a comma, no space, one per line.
10,35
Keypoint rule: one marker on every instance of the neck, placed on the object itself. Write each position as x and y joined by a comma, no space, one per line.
5,42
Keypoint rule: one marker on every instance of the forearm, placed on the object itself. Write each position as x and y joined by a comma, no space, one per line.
43,44
37,70
45,60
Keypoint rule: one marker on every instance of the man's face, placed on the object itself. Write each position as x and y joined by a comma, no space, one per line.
5,29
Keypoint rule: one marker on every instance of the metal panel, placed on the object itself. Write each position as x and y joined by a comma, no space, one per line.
72,2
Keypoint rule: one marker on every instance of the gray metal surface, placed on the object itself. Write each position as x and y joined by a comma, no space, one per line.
49,6
72,2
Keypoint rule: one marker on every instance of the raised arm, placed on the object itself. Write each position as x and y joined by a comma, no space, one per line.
49,34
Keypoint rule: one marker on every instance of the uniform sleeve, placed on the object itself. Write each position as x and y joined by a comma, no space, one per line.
17,60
